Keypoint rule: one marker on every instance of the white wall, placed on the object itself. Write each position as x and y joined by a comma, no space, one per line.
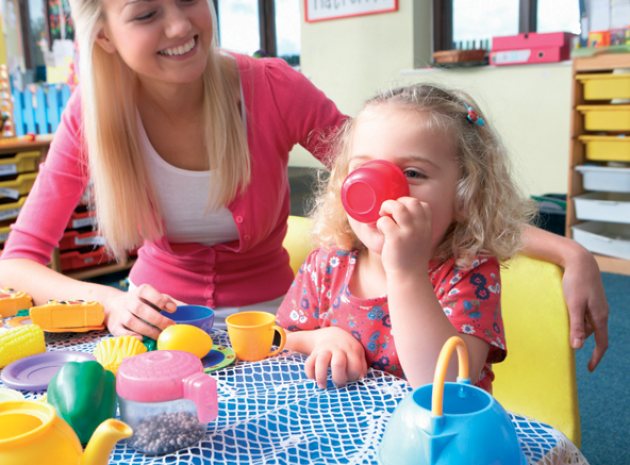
349,59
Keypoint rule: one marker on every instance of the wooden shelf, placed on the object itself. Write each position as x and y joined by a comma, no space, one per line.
87,273
599,63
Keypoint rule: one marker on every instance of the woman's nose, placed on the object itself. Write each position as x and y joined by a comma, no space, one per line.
177,23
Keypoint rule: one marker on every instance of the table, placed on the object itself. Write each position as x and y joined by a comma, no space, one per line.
270,413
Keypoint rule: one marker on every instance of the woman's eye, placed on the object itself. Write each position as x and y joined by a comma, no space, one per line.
413,173
144,16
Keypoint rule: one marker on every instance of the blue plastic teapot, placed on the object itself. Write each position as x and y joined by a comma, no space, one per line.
447,423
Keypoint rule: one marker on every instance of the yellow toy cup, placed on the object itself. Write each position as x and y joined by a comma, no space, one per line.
251,335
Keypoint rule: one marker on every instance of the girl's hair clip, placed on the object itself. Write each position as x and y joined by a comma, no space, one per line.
473,117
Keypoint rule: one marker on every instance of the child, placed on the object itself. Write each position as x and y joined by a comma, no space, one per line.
390,293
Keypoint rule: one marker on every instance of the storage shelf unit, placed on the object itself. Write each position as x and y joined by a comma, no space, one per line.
19,159
600,137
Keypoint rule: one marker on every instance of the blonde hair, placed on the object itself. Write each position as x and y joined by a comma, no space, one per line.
492,210
126,208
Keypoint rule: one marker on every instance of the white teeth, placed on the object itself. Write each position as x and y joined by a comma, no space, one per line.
182,49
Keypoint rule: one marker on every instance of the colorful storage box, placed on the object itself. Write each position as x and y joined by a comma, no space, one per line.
605,86
21,185
20,163
78,259
604,178
82,220
606,117
73,239
531,48
603,206
10,211
604,238
607,148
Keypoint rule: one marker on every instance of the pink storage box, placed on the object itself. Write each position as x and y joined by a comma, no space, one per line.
531,48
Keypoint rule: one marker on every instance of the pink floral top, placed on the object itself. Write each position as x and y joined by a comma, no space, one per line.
320,297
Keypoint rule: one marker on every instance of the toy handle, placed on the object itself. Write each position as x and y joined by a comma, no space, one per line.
283,339
437,398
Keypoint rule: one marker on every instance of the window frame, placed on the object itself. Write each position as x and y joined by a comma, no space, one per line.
267,25
443,21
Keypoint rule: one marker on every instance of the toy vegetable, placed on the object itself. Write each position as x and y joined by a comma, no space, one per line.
84,395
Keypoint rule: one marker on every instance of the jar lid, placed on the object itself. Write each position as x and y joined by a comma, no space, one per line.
156,376
366,188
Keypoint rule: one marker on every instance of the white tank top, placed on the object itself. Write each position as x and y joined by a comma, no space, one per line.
183,199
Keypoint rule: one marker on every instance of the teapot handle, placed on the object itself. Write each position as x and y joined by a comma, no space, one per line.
437,398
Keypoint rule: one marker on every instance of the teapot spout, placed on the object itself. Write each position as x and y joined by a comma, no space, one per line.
103,440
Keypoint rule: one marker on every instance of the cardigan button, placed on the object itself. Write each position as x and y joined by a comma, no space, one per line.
239,219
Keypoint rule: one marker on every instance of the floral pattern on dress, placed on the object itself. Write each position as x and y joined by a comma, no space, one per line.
320,297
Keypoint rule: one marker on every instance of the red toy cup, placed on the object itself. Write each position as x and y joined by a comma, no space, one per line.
366,188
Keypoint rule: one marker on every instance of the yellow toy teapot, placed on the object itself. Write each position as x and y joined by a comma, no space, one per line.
32,433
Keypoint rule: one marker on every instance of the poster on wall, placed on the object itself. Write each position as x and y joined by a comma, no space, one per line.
323,10
59,20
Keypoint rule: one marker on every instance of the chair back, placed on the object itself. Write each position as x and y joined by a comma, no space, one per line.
537,379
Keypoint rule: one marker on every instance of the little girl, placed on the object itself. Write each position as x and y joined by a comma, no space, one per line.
389,294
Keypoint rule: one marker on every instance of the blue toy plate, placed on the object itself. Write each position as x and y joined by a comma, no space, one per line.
219,357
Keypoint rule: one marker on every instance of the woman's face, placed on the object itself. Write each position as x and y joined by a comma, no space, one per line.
161,40
427,158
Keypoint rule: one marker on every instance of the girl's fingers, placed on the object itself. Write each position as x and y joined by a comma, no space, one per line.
147,313
339,368
321,368
140,327
152,297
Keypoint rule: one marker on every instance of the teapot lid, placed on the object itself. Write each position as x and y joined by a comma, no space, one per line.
156,376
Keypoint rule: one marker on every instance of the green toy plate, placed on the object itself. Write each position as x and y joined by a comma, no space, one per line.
219,357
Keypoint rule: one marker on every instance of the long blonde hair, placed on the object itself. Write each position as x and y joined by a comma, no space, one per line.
125,202
492,209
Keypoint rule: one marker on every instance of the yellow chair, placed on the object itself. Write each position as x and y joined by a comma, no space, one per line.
538,377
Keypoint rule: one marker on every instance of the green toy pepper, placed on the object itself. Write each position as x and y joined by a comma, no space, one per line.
84,395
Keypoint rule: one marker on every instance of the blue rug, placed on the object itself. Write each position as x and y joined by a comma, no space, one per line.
603,394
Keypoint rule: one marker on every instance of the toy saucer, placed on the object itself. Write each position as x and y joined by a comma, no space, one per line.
35,372
219,357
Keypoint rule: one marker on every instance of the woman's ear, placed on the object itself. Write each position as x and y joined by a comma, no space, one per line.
102,39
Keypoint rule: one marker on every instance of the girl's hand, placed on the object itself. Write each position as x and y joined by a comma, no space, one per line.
339,350
137,313
406,227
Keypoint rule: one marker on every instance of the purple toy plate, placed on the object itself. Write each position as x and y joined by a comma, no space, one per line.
35,372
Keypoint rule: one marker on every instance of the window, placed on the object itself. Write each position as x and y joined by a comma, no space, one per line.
470,23
269,27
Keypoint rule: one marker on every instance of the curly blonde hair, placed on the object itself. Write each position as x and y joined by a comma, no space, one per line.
493,210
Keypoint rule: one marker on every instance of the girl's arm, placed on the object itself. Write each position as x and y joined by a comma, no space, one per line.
582,284
421,328
419,325
126,313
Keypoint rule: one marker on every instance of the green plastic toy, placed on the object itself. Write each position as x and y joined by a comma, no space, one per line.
84,395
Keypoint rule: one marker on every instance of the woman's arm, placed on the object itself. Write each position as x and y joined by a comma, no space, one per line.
582,284
126,313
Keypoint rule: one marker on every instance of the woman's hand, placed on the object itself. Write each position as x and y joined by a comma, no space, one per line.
335,348
586,301
137,312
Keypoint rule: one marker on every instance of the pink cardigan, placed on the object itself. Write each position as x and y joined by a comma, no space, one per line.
283,108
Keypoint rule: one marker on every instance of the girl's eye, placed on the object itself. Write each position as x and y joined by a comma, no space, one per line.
414,173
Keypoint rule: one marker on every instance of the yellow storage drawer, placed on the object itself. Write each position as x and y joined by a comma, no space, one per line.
606,148
9,211
4,234
605,86
606,117
19,163
14,188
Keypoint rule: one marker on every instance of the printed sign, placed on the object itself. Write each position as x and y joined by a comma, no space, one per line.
322,10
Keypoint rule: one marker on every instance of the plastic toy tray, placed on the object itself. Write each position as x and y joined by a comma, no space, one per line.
20,185
605,86
607,148
19,163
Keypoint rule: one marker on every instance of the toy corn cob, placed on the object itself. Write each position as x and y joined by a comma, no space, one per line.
11,301
21,342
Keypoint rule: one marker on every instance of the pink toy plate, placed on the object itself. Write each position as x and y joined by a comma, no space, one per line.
35,372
